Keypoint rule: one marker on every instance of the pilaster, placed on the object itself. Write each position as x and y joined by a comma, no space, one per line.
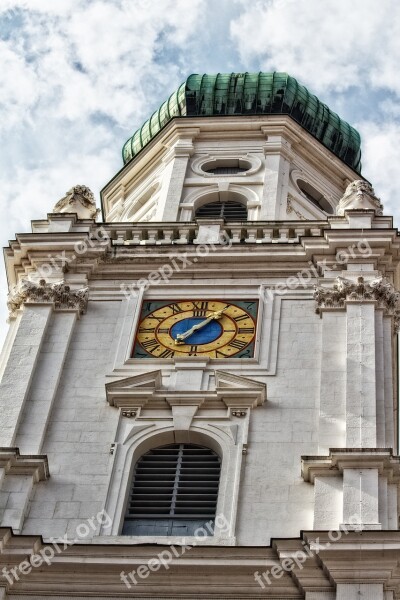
20,367
29,438
360,375
332,394
356,591
278,156
174,172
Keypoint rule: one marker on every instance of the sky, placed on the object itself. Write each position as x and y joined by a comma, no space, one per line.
78,77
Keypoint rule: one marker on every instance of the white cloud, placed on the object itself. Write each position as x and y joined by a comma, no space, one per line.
78,77
94,58
332,44
381,160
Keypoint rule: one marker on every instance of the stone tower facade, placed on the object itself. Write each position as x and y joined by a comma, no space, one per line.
199,389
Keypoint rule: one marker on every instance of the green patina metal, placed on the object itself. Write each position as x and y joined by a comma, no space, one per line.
234,94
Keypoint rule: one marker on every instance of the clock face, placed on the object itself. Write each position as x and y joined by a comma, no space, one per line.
213,328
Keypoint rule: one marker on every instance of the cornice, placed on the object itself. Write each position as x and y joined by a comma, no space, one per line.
351,458
95,568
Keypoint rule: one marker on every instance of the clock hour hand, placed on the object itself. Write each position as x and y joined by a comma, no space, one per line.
182,336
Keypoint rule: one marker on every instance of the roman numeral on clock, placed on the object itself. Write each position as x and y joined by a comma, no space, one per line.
200,309
164,330
246,330
238,344
240,318
166,354
176,309
150,345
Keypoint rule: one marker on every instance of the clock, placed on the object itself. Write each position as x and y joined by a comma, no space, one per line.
212,328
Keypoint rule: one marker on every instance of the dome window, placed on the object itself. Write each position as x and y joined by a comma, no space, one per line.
314,196
229,210
226,167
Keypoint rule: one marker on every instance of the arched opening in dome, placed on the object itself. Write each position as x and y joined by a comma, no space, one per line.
230,210
314,196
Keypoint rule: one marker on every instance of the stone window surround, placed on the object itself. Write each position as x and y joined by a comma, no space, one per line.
198,164
151,416
222,189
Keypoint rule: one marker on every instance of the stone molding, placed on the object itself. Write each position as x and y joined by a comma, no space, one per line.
359,194
15,463
146,389
60,294
352,557
343,290
351,458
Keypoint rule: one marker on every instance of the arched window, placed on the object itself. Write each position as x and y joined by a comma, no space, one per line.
174,491
229,210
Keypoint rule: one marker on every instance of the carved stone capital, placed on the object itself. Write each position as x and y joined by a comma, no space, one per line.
344,290
359,195
58,293
79,200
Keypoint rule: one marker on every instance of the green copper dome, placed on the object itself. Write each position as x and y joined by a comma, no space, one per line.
252,94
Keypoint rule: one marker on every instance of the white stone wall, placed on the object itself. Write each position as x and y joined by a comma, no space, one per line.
80,431
273,500
274,497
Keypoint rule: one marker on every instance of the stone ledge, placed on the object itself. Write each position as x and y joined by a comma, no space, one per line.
351,458
15,463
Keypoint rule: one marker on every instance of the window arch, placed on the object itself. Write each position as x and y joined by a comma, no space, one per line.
229,210
174,491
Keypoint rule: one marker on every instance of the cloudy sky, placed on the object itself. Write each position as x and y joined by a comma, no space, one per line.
79,76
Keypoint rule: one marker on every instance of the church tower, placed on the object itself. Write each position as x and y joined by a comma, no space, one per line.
199,387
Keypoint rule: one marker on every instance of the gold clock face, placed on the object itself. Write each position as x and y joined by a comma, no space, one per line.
213,328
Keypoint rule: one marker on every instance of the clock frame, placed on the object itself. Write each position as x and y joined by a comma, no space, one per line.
213,328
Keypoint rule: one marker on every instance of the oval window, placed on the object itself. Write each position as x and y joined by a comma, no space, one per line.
314,196
227,166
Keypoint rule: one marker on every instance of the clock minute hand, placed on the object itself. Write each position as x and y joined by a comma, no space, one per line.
182,336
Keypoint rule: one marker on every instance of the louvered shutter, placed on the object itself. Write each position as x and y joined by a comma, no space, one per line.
174,491
230,210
